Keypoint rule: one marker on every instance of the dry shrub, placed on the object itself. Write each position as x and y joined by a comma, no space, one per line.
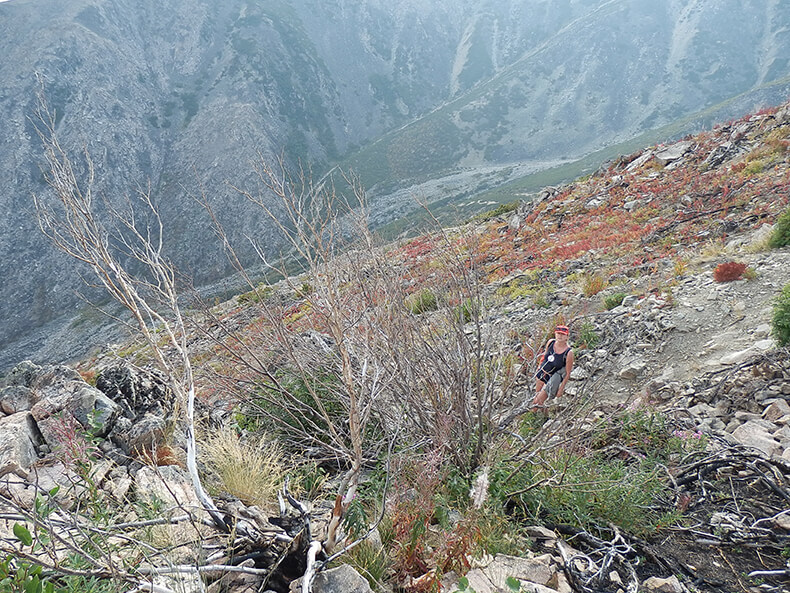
160,455
249,469
729,271
592,284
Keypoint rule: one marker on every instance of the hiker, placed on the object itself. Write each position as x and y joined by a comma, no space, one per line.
555,367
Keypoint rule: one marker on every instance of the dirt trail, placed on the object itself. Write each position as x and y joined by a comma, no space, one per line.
712,326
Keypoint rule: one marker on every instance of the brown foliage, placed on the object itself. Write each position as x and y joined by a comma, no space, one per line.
729,271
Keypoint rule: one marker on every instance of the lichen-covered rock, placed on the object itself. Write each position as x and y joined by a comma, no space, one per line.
136,391
15,398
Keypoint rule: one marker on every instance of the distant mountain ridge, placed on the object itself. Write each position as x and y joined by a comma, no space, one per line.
404,92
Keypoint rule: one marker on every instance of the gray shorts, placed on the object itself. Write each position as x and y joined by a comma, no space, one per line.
553,384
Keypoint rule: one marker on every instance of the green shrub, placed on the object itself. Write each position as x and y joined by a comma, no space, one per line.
588,336
781,317
254,296
466,311
305,290
422,301
613,300
22,576
595,490
754,168
266,410
498,211
600,484
781,233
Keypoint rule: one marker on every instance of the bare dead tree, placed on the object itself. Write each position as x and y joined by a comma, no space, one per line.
435,372
329,239
68,217
123,248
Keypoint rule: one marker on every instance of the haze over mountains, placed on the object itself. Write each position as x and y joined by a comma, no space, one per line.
438,99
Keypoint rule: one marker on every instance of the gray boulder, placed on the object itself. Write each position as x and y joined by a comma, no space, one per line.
537,575
673,152
15,398
78,400
18,441
140,435
753,434
343,579
21,375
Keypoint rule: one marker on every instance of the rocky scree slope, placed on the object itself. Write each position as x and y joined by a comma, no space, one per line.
183,100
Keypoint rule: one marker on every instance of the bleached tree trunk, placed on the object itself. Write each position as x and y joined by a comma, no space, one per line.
69,218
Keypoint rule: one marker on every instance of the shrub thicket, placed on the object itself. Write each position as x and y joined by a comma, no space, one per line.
781,233
781,318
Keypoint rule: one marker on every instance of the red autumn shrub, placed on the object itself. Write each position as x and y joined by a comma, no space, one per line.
728,271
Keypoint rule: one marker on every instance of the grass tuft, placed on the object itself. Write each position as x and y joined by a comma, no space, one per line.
250,470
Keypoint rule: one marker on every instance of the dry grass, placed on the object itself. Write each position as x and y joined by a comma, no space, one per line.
760,244
708,252
248,469
592,284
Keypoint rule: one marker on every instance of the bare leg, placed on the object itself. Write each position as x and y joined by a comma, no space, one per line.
540,394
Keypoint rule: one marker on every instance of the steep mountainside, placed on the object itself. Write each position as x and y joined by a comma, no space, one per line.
394,384
183,100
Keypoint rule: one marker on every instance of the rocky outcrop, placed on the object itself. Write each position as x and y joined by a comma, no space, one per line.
47,407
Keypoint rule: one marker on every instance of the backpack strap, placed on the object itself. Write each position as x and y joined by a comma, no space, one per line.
546,351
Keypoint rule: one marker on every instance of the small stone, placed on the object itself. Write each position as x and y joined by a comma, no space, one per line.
579,373
633,370
711,424
783,434
659,585
701,410
782,520
776,410
737,357
721,410
539,532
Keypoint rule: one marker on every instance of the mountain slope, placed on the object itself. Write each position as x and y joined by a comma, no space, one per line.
621,69
469,94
